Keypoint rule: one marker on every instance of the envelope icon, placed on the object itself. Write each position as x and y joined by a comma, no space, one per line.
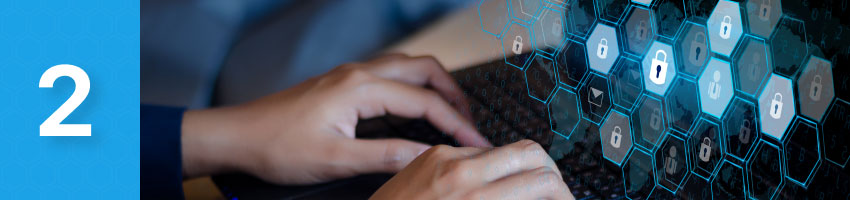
595,96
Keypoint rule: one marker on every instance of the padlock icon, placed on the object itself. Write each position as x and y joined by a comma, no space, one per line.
641,30
705,149
698,49
517,45
776,106
815,90
670,163
658,69
557,28
655,120
602,49
744,132
764,10
616,137
726,27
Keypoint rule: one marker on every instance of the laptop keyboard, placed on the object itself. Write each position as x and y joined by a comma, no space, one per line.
504,113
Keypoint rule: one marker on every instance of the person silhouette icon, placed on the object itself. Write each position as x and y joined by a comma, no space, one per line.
714,86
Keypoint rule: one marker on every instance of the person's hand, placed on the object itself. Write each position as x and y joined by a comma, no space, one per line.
305,134
521,170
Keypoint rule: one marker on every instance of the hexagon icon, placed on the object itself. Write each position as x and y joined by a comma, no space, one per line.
803,152
763,15
671,15
682,105
516,40
671,162
835,126
495,17
776,106
742,131
765,171
789,46
659,66
616,137
725,27
639,30
694,49
541,78
649,122
638,174
729,182
564,112
753,66
549,29
582,17
602,48
815,88
706,144
715,87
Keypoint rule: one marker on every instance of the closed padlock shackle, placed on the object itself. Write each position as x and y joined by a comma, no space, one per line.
746,123
617,130
663,53
518,38
817,78
706,141
702,41
727,17
603,40
777,95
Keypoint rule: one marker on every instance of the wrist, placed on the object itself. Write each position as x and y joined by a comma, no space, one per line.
208,142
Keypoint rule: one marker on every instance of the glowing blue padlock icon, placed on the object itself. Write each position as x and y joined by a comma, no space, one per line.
764,15
705,149
814,91
776,106
602,49
658,69
616,137
726,27
698,49
517,45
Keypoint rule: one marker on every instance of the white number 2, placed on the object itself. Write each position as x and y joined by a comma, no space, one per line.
53,125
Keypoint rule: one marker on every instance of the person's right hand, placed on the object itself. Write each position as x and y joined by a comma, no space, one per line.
521,170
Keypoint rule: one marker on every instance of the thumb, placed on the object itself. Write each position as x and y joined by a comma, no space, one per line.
382,155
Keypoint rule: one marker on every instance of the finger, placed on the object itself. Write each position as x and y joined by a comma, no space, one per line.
421,71
416,102
513,158
539,183
381,155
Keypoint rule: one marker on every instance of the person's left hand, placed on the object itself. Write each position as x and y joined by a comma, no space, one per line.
305,134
